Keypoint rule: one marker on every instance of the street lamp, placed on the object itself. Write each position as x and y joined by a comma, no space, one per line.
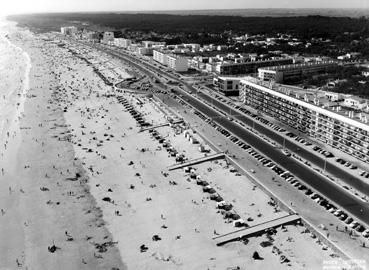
325,164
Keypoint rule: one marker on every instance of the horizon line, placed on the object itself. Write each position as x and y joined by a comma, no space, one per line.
187,10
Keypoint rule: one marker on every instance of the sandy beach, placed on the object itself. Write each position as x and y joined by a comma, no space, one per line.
83,188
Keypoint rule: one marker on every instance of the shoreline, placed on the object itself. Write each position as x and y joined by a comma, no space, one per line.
88,182
26,211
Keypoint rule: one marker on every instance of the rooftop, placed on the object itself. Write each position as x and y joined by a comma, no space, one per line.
302,65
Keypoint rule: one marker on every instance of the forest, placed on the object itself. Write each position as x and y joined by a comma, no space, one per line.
304,27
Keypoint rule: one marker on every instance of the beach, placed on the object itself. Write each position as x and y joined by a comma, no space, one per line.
84,188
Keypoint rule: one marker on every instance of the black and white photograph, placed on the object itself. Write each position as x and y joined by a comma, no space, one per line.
194,135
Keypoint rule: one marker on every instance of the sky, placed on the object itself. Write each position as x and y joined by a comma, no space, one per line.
38,6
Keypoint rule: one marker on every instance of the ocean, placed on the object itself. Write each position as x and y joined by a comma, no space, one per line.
15,66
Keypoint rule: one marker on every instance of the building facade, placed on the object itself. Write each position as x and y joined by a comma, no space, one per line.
173,61
342,128
249,66
178,63
150,44
122,42
295,72
229,86
160,56
69,30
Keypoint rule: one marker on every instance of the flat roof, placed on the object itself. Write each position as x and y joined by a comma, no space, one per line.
296,66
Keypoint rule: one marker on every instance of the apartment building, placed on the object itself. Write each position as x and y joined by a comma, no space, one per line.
173,61
227,85
331,122
178,63
150,44
232,68
69,30
122,42
160,56
294,72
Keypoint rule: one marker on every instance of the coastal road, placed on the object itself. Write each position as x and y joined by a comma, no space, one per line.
306,154
310,156
325,187
328,189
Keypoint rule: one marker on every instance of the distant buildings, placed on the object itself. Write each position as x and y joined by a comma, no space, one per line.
150,44
122,42
342,124
145,50
349,56
232,68
108,37
68,30
294,72
177,62
91,36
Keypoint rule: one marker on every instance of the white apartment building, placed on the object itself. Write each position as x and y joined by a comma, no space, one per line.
122,42
69,30
160,57
173,61
294,72
178,63
342,127
355,102
149,44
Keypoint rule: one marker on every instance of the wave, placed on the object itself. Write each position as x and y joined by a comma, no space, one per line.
19,92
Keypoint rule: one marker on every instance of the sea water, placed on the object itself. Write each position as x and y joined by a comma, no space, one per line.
15,66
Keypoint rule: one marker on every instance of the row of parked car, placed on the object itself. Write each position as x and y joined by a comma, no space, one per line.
346,163
364,174
349,221
344,217
318,149
322,151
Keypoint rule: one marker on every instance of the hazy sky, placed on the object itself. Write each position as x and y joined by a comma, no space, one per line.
26,6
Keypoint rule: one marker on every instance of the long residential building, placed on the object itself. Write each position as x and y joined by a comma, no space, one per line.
178,63
68,30
232,68
294,72
173,61
122,42
160,56
344,128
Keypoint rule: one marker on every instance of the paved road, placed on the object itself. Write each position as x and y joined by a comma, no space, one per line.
328,189
305,154
302,152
